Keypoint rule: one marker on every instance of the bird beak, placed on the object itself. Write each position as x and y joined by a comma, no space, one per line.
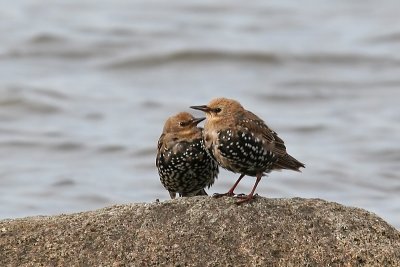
196,121
202,108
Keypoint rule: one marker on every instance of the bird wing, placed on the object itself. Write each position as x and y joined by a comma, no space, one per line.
252,123
273,142
160,142
159,148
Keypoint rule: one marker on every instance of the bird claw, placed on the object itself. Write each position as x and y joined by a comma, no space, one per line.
245,198
242,198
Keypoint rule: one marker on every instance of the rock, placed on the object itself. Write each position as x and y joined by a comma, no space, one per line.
203,231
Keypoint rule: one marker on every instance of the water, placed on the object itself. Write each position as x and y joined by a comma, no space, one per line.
85,87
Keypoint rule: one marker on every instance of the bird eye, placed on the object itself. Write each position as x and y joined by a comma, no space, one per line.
182,123
217,110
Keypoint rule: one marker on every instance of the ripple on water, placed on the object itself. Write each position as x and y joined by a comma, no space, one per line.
308,129
384,155
64,182
30,100
67,146
192,56
47,38
107,149
144,152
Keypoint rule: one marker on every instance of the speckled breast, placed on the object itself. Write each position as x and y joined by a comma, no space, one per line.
186,167
242,152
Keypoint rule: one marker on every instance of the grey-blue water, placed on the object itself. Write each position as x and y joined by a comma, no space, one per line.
85,88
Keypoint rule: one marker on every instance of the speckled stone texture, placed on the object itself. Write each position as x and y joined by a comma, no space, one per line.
203,231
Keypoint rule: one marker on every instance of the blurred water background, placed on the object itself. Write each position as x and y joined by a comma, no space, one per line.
85,88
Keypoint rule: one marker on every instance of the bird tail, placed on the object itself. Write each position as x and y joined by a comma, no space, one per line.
288,162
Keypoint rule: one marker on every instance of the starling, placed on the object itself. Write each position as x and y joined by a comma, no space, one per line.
184,166
242,143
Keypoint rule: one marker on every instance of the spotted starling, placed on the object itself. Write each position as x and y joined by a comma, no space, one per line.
183,164
242,143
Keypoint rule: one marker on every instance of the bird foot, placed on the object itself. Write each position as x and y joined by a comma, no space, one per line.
245,198
241,195
228,194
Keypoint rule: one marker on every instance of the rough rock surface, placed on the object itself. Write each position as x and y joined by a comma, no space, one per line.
202,231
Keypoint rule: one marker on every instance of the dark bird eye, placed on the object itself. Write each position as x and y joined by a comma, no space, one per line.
182,123
217,110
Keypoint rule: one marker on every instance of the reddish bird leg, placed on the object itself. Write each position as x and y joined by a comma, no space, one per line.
230,192
251,195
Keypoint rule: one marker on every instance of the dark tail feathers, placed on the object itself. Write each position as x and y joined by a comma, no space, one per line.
288,162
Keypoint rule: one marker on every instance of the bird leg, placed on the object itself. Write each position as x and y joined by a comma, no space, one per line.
251,195
230,192
172,194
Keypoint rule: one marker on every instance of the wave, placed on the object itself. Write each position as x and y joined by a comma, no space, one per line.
37,144
49,45
211,55
30,100
189,56
107,149
47,38
393,37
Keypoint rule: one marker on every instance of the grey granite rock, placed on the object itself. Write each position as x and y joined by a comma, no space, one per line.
202,231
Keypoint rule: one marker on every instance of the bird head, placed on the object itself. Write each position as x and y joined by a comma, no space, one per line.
220,108
182,122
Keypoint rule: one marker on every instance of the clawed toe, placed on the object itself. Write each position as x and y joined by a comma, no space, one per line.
240,196
245,198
